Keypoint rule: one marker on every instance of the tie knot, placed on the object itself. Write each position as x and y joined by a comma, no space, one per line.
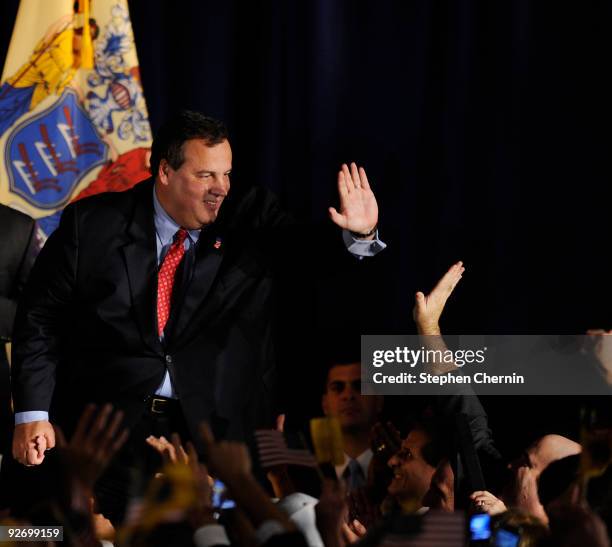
180,236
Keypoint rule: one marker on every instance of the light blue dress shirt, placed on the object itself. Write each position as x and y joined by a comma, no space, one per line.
165,228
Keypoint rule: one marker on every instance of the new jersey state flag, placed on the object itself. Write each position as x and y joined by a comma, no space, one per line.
73,119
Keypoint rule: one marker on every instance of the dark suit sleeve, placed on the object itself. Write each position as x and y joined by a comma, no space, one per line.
41,317
8,307
20,235
465,401
291,244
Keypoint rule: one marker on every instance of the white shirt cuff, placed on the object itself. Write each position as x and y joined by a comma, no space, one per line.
362,247
31,416
210,534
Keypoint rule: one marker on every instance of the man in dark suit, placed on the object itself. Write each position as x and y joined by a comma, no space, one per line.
160,301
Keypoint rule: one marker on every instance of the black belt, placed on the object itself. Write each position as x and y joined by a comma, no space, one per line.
160,406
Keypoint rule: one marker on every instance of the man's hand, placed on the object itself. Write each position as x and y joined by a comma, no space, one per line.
358,207
171,452
98,437
228,460
30,441
483,500
427,309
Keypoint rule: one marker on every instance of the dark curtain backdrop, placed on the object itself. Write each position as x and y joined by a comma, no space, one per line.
485,129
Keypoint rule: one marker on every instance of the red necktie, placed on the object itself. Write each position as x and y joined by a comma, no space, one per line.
165,278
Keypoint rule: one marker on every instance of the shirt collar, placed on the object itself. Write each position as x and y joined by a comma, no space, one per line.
363,459
165,225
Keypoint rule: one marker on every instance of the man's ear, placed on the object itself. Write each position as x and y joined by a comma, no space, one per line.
162,172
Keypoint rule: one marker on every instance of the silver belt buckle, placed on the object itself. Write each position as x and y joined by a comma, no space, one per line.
154,405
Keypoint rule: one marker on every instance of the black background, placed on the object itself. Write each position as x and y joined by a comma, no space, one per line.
485,129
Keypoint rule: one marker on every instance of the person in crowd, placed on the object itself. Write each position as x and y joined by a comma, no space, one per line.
357,415
413,467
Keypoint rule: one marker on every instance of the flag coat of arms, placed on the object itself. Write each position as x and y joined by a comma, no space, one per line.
73,119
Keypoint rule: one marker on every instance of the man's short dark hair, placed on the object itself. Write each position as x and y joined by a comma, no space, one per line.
438,446
336,349
184,126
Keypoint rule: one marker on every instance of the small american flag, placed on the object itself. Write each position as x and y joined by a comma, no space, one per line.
218,243
273,450
439,529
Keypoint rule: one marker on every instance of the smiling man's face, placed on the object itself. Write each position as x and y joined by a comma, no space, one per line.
192,194
411,473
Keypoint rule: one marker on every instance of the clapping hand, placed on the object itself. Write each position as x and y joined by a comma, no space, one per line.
358,208
428,309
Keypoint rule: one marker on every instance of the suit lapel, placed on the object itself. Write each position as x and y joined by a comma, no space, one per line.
140,258
208,259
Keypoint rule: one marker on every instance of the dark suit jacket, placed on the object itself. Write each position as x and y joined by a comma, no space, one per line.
16,236
86,329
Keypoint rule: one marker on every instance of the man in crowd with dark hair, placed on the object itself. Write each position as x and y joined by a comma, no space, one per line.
413,466
356,414
159,301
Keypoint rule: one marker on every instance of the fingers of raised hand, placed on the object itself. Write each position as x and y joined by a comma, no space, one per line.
84,421
101,438
358,528
449,279
355,175
365,184
348,535
343,188
155,443
168,452
109,434
348,179
181,455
